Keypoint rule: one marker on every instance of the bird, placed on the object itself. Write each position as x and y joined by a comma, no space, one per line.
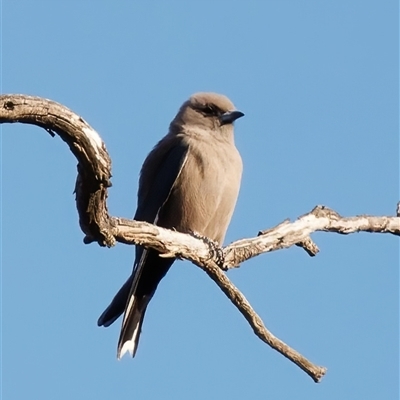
189,182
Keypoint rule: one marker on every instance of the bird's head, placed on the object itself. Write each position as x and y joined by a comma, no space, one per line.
210,111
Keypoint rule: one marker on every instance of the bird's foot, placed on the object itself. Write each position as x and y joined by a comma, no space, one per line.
215,250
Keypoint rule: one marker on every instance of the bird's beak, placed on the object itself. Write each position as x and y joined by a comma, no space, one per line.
230,116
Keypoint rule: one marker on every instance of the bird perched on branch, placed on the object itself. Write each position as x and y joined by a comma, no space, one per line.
189,182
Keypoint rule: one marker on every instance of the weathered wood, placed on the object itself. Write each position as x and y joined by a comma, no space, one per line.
93,180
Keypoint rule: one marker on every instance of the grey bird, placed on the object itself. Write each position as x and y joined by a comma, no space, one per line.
189,182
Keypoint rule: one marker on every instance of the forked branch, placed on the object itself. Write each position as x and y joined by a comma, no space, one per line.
93,180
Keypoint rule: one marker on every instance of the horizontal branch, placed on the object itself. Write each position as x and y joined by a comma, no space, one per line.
94,174
287,234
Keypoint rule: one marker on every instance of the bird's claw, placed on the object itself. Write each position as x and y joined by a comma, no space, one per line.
215,250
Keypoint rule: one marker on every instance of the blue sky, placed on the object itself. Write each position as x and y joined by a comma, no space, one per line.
318,82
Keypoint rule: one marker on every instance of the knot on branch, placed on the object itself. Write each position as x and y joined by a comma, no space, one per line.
8,105
325,212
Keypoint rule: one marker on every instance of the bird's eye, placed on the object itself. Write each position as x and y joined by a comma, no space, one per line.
210,110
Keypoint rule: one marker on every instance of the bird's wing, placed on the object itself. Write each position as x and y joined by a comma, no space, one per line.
159,173
159,178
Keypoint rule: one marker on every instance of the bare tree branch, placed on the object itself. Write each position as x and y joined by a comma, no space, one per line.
94,163
94,174
287,234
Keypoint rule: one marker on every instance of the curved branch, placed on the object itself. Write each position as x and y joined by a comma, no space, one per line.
94,163
94,173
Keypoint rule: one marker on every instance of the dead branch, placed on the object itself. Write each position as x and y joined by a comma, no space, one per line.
94,174
288,233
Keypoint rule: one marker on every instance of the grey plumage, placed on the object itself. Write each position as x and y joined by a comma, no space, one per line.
189,182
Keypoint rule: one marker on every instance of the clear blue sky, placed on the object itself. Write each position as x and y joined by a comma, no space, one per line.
318,82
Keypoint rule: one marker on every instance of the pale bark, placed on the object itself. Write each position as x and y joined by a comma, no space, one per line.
93,181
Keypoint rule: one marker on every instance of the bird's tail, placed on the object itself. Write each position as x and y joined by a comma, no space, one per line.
132,325
133,297
117,306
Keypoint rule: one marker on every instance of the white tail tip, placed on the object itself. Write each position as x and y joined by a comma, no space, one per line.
128,346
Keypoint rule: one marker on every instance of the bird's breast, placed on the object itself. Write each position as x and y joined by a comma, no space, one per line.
204,196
